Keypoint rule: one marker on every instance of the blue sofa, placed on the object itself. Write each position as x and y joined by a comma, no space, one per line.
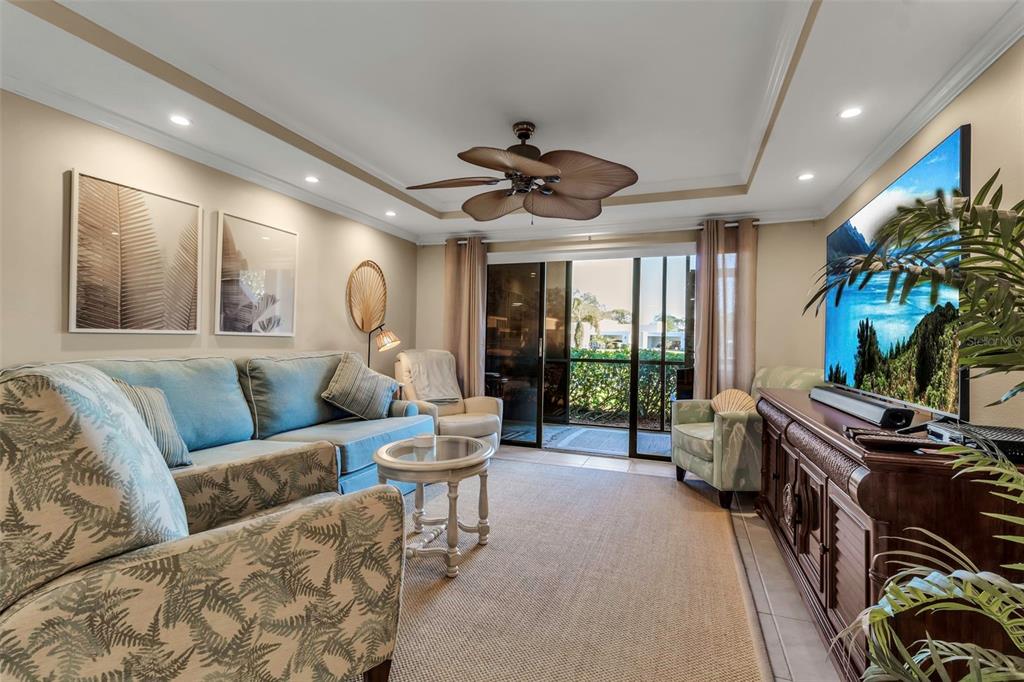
229,411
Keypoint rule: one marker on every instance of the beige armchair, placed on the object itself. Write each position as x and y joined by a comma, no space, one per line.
478,417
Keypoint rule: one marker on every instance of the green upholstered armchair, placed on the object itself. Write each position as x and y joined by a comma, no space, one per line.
113,567
725,449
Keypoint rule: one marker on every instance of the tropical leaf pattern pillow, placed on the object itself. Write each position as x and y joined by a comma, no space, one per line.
307,591
80,477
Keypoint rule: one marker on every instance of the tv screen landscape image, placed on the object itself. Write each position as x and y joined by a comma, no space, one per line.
907,352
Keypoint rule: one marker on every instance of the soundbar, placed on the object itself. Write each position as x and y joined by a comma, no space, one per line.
869,409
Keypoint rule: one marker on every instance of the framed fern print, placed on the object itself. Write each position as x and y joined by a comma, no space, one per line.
135,260
256,273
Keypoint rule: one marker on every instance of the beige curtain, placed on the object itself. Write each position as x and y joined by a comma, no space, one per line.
465,295
725,307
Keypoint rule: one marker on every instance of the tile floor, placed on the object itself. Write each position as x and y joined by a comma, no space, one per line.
796,652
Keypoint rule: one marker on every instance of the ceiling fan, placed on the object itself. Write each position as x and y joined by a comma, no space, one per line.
559,184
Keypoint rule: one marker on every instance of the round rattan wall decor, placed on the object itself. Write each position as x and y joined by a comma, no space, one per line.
367,296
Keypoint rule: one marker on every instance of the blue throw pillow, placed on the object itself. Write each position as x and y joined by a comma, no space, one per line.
359,390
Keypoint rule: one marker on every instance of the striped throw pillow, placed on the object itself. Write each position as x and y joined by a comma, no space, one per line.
358,389
151,404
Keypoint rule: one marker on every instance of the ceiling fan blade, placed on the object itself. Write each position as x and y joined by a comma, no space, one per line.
588,177
458,182
558,206
491,205
507,162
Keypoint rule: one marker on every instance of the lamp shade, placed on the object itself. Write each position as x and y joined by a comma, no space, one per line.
387,339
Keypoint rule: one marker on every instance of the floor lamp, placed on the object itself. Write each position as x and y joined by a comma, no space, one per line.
386,340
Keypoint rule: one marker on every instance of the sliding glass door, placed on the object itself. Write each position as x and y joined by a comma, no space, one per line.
514,349
665,353
589,354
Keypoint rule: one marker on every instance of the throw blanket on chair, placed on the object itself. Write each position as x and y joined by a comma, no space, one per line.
432,373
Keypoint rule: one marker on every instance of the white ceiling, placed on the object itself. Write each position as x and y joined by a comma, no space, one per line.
680,91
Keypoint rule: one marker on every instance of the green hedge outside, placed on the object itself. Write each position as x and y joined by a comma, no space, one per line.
599,391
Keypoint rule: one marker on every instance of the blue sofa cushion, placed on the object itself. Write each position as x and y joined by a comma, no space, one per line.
357,440
203,393
284,391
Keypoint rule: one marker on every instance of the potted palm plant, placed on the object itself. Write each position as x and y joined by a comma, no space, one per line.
979,247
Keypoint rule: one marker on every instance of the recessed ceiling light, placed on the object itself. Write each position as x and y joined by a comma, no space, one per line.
267,239
312,179
805,177
852,112
179,120
390,214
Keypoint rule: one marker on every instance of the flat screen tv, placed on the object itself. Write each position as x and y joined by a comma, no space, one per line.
904,352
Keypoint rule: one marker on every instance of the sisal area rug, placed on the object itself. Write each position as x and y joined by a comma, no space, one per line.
588,575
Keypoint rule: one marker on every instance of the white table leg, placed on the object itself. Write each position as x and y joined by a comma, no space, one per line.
417,512
483,527
453,529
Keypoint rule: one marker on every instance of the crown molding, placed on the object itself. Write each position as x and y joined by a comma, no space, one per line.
646,226
785,48
105,118
90,32
1001,37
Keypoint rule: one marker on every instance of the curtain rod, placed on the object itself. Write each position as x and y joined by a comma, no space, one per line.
731,223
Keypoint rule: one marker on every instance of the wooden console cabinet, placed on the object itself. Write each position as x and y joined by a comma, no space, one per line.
833,506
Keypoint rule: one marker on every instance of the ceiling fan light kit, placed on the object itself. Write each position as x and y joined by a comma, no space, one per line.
559,184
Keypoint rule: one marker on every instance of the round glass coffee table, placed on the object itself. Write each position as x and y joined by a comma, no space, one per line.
439,459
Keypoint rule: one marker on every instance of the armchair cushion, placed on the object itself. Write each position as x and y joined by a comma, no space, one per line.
81,478
698,439
473,425
309,590
359,390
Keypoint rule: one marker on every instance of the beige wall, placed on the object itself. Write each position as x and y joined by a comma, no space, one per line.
788,258
430,297
40,145
994,106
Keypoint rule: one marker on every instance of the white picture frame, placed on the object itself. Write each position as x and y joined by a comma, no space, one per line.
243,232
91,305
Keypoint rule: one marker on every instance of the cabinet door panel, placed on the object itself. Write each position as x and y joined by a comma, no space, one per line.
770,463
848,585
811,484
789,494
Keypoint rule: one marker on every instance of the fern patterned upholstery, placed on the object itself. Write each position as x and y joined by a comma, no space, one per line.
281,578
724,449
216,492
307,590
81,478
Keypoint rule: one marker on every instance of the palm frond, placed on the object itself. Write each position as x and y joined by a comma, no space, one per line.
182,281
98,279
142,268
975,246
